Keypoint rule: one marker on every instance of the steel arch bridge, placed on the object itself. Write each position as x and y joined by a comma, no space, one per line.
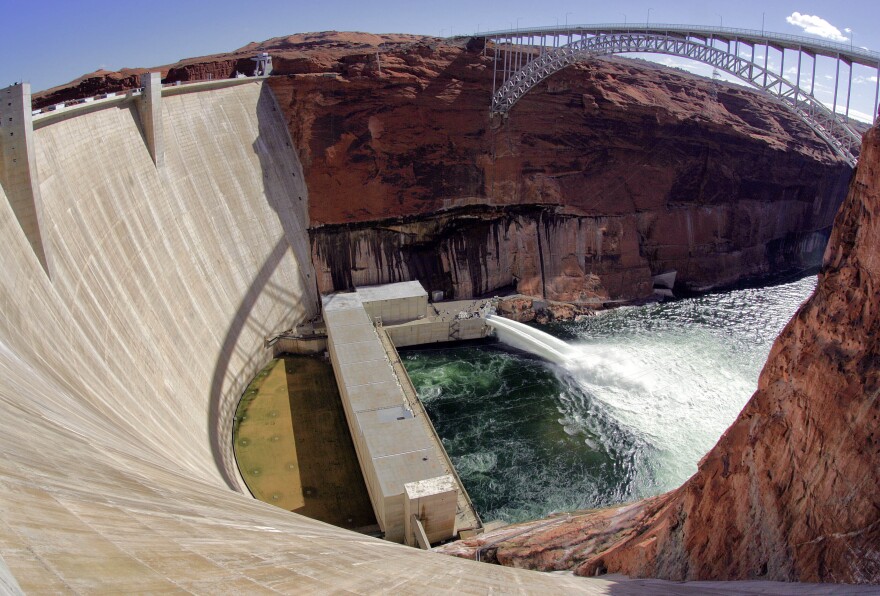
525,57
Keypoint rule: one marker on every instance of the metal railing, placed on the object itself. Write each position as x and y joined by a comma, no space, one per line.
831,48
521,64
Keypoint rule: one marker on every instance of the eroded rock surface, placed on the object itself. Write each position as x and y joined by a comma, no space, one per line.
792,489
603,175
606,173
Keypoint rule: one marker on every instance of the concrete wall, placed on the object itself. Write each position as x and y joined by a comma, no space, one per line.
295,345
18,167
429,332
433,502
119,376
395,303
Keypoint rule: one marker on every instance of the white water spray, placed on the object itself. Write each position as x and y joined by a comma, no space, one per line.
640,395
636,384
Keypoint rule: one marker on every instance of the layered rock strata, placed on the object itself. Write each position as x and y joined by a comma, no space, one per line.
474,252
606,173
792,489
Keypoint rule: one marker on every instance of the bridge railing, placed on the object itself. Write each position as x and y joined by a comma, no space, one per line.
527,68
862,56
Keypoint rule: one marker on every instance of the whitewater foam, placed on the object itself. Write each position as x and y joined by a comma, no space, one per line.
639,396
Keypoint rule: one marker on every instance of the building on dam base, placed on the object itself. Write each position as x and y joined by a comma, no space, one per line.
417,497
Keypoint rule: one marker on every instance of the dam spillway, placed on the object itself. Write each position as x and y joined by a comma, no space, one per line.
529,339
120,371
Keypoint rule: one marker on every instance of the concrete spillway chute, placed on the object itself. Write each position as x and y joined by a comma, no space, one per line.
529,339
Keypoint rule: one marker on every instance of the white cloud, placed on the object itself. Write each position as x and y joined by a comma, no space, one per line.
854,114
816,25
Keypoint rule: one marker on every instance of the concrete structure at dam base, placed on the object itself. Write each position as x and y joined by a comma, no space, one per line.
416,494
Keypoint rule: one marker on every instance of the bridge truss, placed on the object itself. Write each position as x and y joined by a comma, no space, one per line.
525,57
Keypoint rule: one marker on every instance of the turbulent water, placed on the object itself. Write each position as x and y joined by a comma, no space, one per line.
646,393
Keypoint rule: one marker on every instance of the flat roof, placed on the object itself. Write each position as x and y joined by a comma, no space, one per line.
401,434
349,334
395,291
430,486
343,301
375,396
378,371
394,471
359,351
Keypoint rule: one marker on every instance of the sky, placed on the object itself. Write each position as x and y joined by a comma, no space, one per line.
52,42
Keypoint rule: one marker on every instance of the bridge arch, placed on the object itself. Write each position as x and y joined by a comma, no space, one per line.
523,64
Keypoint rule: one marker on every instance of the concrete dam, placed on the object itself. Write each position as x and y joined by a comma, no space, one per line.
124,351
152,243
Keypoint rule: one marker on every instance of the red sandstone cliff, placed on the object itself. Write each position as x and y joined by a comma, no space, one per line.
792,489
605,174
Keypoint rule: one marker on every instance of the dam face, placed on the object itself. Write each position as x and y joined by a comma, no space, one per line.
120,368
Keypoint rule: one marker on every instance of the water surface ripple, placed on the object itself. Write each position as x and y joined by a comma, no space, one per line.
649,391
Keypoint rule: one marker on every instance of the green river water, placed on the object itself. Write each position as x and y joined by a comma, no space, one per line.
645,393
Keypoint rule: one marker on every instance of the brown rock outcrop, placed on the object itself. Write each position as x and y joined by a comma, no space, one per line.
641,169
525,309
792,489
606,173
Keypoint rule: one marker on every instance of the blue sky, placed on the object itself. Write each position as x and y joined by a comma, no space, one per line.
51,42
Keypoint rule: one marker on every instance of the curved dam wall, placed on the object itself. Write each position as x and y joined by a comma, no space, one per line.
119,372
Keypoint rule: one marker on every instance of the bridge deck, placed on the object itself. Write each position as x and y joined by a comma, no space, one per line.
817,46
525,57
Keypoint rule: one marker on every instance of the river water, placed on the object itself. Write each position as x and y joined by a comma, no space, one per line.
649,391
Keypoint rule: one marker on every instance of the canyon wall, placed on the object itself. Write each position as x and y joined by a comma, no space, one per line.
606,173
792,489
474,252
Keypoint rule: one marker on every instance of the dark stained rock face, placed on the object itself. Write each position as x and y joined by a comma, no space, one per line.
792,489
